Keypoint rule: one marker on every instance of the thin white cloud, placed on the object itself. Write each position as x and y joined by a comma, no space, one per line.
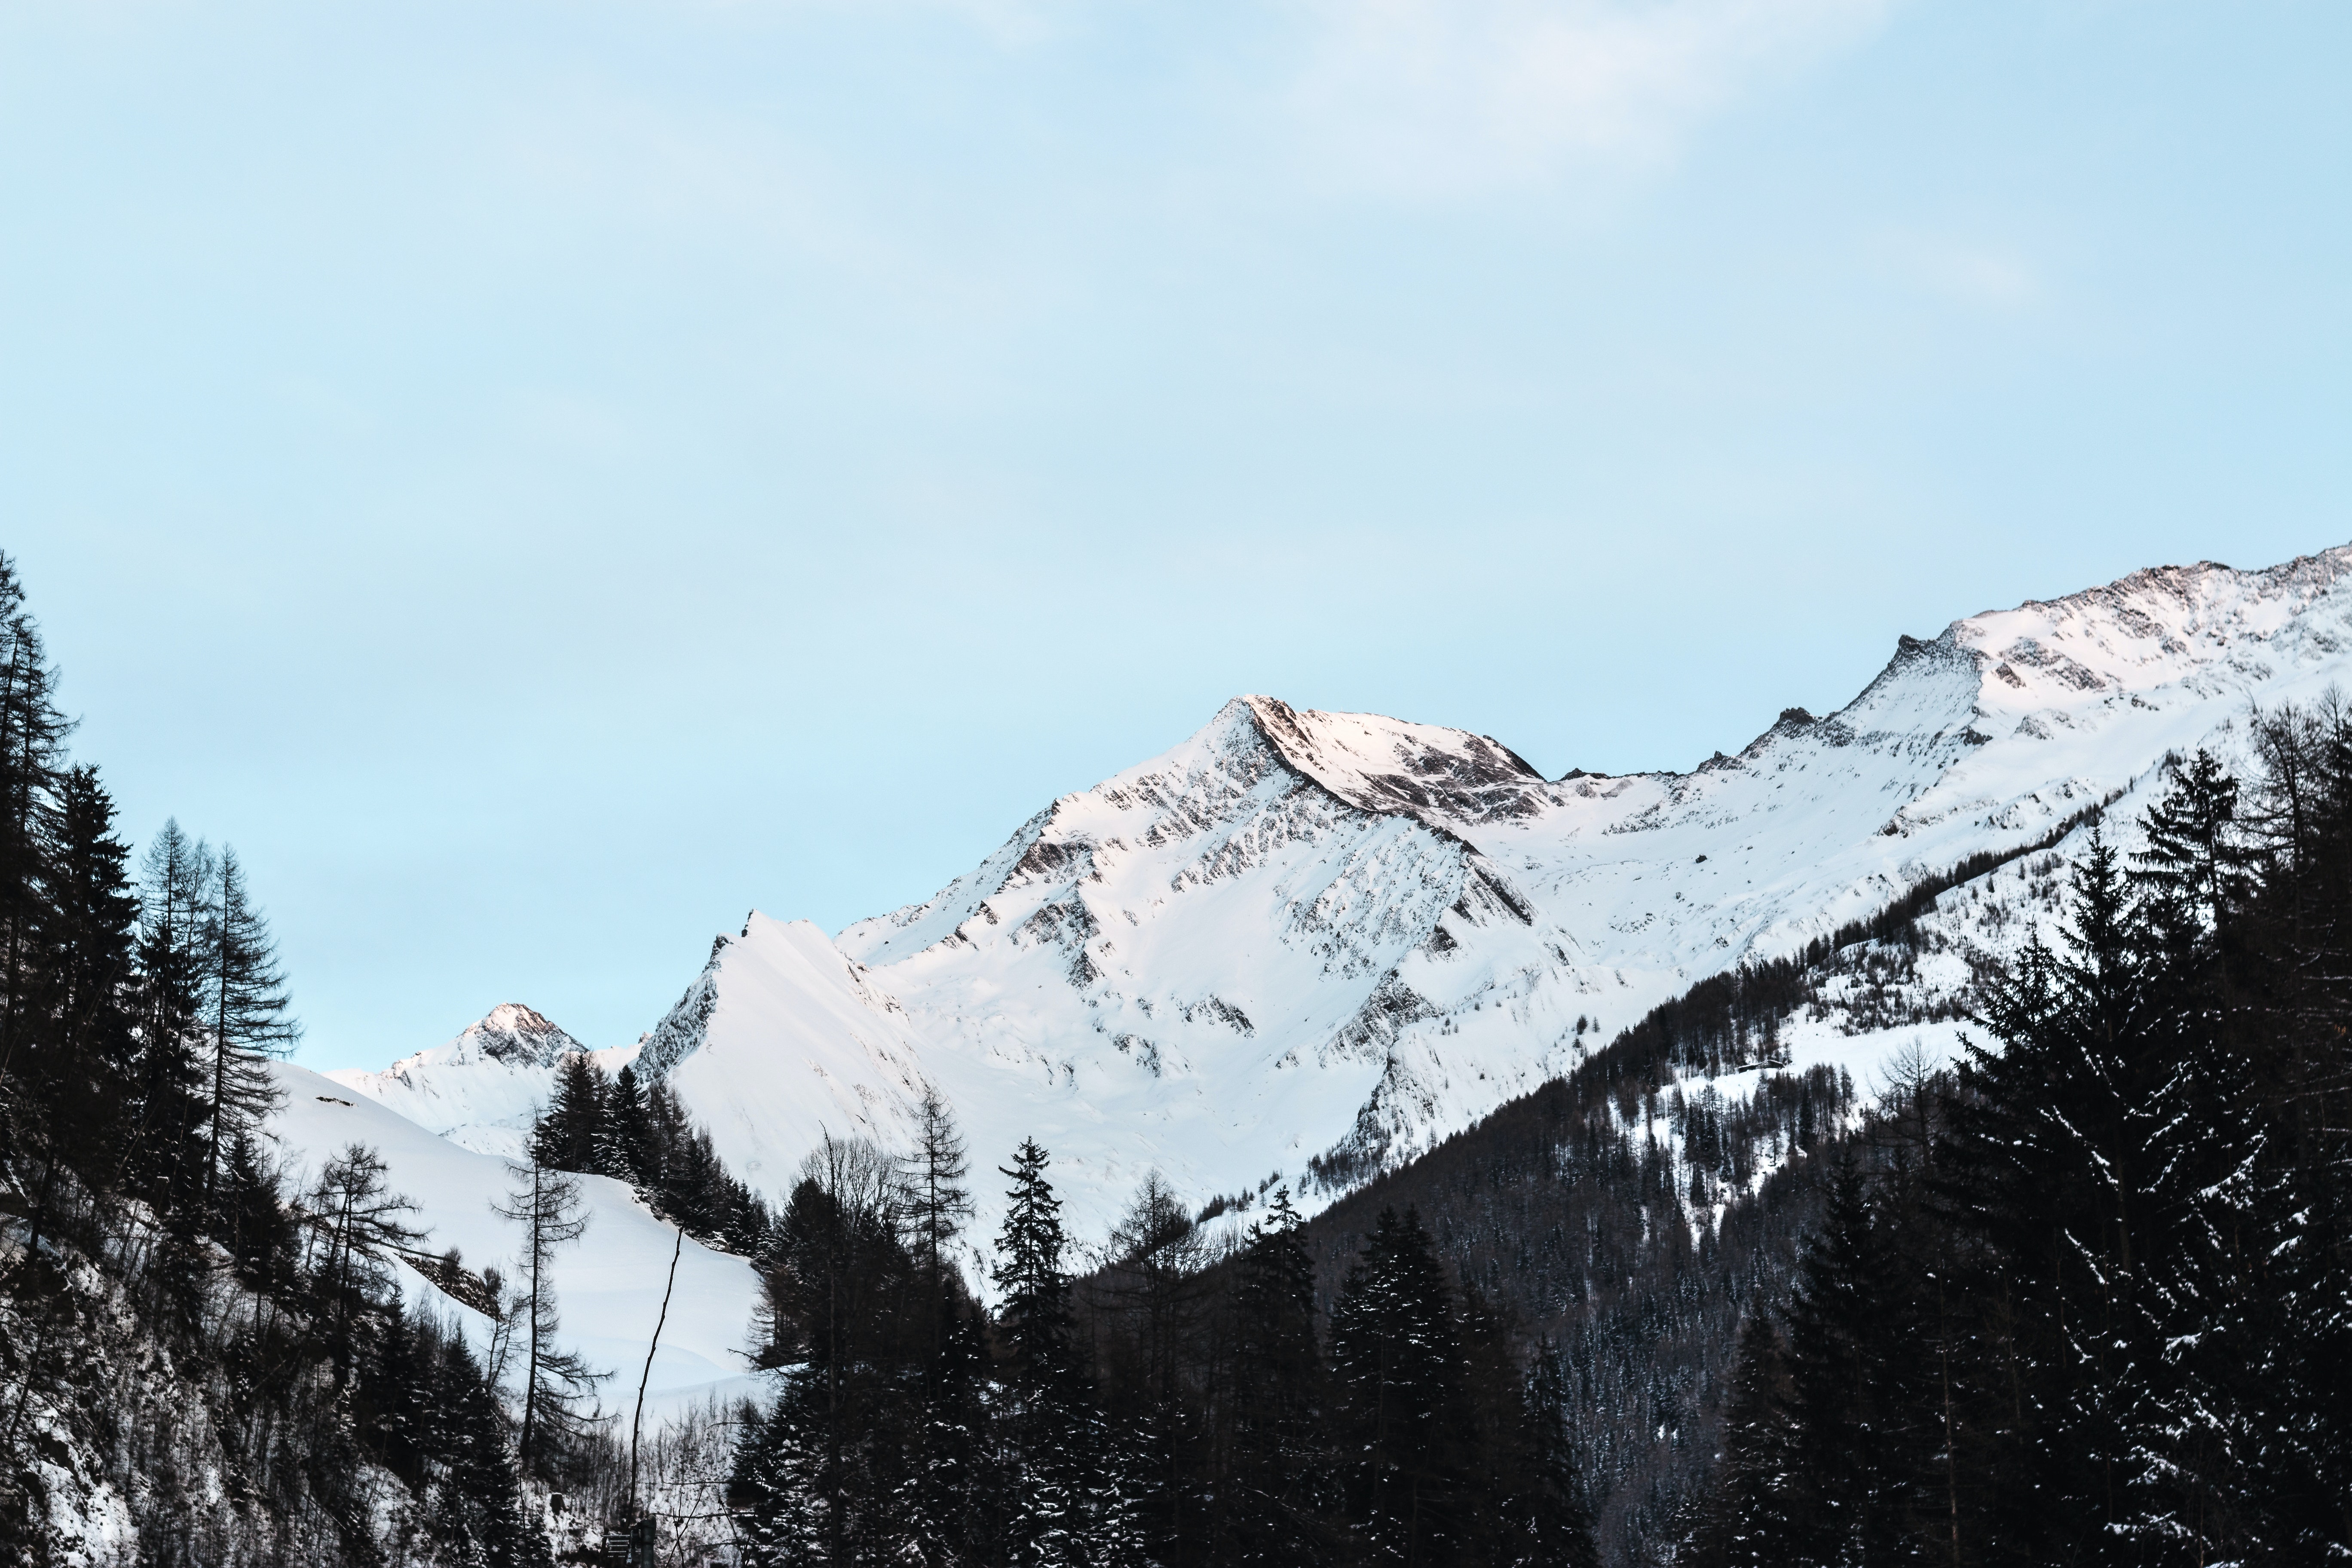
1434,96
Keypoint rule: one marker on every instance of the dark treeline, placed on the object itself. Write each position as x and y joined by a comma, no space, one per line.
1177,1404
1568,1208
2089,1300
602,1126
196,1364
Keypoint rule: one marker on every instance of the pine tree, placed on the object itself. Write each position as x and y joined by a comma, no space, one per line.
2300,931
572,1135
936,1202
481,1514
947,1440
1397,1357
1544,1519
2049,1163
2194,862
78,1030
246,1012
259,1231
781,1475
1278,1501
392,1401
951,1491
628,1153
32,742
355,1218
1046,1417
839,1293
1750,1518
1857,1448
164,1157
1150,1295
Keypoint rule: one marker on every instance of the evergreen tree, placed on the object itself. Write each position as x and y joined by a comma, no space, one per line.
1397,1358
628,1134
781,1473
1279,1503
936,1202
32,743
2293,1002
77,1029
942,1501
1047,1427
247,1011
163,1158
2050,1158
1857,1451
355,1218
259,1231
2194,869
481,1518
1151,1296
391,1404
1543,1517
571,1134
952,1495
837,1288
1751,1514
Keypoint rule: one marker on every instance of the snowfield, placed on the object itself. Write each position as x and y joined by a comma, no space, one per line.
1308,946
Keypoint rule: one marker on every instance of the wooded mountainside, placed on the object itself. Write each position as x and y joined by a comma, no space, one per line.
2085,1300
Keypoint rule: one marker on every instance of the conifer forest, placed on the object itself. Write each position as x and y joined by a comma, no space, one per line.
2084,1299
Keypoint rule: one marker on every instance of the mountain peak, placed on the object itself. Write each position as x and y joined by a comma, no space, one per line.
1392,765
518,1035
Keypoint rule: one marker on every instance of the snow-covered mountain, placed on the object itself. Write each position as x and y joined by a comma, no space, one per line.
482,1088
1313,943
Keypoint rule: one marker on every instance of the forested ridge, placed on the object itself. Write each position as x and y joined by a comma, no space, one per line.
2083,1299
2090,1298
1636,1211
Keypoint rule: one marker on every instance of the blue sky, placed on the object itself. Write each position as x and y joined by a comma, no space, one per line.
543,479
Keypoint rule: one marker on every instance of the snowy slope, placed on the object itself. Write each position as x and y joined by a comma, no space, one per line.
781,1040
609,1287
483,1088
1333,938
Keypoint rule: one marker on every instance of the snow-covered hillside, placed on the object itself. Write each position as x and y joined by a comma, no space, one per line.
1313,943
609,1286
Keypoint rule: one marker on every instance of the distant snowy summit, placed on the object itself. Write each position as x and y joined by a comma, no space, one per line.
1306,946
483,1088
513,1034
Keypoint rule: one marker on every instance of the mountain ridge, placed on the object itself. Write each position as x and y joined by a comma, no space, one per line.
1307,944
